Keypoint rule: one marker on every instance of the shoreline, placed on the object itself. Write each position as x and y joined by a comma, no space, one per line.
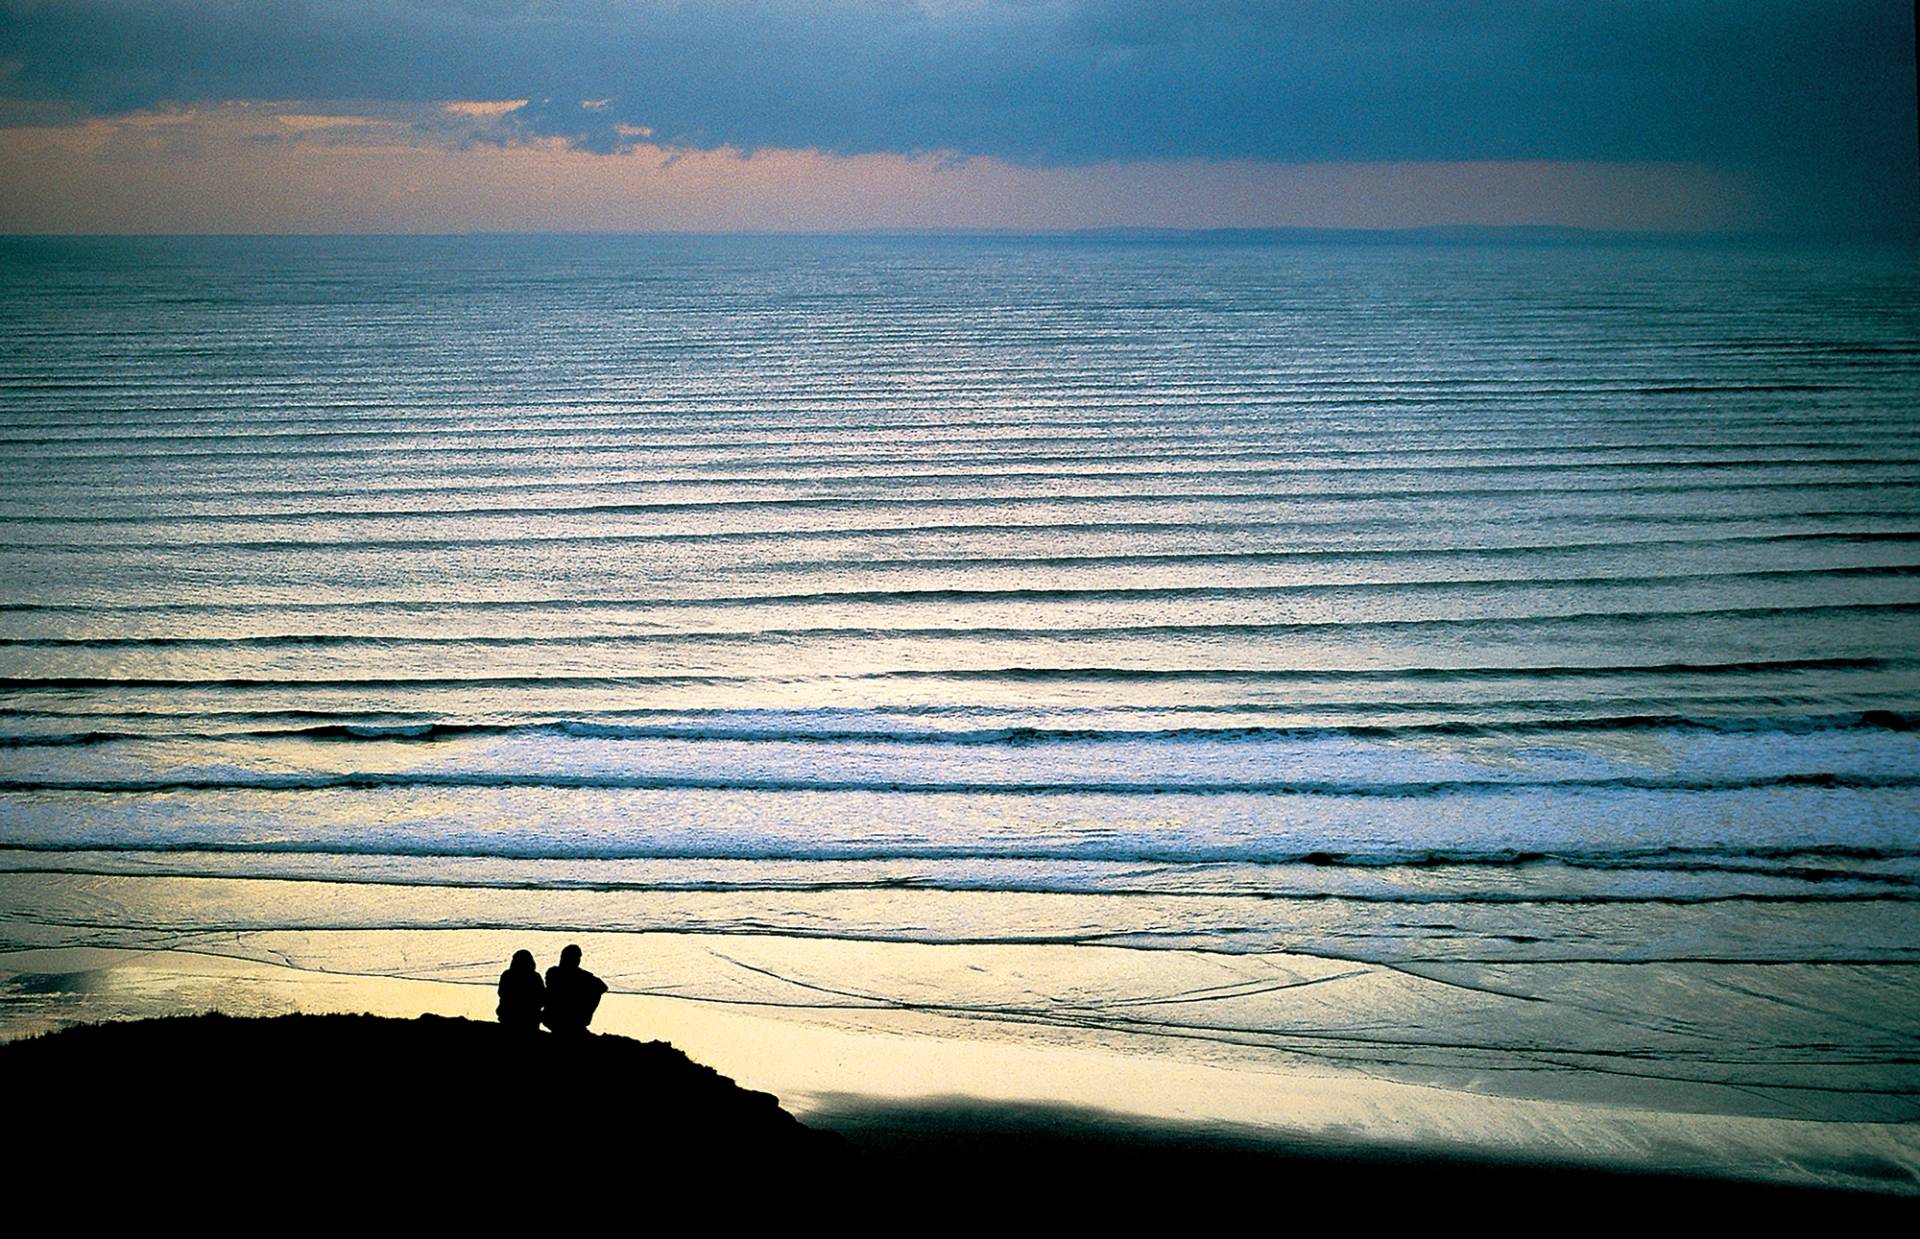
905,1079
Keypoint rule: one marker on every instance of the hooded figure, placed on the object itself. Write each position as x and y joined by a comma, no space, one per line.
521,994
573,994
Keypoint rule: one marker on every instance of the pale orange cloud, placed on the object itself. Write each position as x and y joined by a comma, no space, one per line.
276,168
483,107
303,122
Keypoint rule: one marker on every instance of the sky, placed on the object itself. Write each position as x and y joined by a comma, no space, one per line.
720,115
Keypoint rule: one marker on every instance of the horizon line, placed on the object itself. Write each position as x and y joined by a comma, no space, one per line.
1539,233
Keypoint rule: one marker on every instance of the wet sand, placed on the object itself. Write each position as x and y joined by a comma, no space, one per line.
922,1089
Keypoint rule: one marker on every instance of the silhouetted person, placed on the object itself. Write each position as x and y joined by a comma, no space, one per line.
521,994
573,994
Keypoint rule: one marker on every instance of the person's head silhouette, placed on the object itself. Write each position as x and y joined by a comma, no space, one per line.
570,958
522,961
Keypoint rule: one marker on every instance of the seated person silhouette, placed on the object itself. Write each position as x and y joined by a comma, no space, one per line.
573,994
521,994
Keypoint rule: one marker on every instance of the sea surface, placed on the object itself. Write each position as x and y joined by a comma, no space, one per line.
1067,636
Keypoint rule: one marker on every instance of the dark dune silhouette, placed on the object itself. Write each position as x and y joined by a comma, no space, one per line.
427,1096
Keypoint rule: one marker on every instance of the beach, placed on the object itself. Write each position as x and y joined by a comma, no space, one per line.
1426,695
897,1077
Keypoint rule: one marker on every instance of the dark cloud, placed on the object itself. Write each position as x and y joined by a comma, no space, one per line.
1784,82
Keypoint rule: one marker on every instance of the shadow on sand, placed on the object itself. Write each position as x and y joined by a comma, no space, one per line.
1025,1145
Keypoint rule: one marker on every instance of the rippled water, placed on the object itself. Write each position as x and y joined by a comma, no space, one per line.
1394,603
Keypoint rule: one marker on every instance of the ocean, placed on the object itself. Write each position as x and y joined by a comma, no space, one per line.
1492,665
